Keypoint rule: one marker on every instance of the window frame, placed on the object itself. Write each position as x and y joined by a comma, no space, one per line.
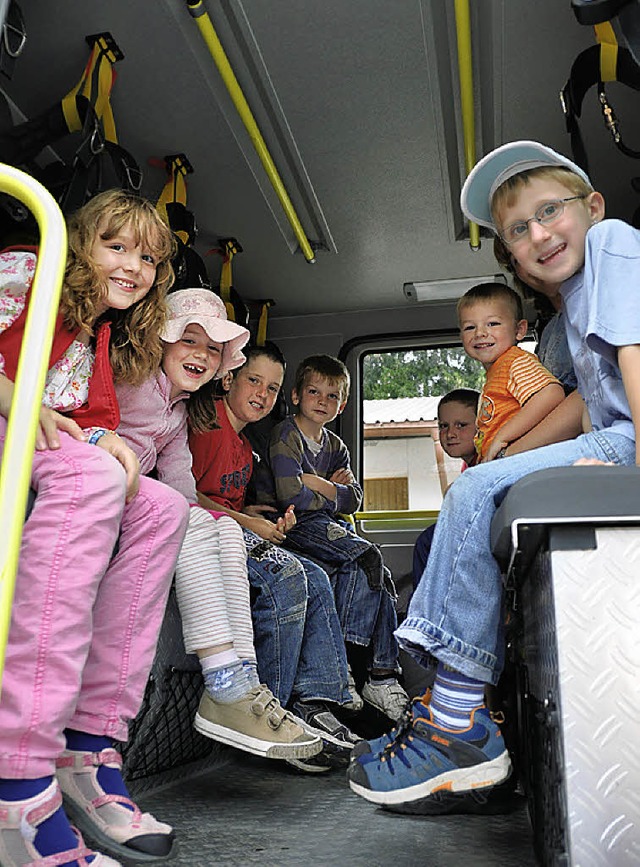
351,422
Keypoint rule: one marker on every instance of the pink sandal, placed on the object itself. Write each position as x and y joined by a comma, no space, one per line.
19,822
112,822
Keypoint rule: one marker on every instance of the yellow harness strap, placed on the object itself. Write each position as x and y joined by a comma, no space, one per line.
230,249
175,189
261,335
95,85
608,50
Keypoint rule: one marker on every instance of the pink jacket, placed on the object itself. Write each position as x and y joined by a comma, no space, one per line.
155,427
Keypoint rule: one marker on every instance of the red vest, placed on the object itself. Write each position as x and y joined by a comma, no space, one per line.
101,408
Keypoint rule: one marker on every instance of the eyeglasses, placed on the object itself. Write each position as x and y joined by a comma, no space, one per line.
545,214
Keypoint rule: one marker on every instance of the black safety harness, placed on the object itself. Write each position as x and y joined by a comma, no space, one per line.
601,63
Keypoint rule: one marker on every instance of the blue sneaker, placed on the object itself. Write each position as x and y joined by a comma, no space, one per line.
364,751
425,760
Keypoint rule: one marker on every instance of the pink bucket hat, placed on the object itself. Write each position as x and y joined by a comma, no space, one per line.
203,307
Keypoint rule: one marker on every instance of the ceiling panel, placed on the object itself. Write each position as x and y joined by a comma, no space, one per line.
355,101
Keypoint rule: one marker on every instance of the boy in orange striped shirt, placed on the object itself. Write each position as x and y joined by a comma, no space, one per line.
519,391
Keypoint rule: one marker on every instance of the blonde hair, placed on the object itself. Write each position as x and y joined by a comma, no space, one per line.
507,192
135,347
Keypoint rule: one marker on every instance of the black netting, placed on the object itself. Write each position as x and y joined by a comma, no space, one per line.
162,737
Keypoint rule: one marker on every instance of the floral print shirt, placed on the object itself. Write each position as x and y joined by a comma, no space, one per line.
67,382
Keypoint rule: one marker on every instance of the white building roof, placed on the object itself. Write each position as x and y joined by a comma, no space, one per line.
400,409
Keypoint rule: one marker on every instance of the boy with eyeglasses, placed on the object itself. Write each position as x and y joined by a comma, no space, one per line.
544,207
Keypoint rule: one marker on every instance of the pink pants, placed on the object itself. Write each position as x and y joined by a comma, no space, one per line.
84,624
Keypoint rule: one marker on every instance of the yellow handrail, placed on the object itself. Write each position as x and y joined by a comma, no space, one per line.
15,471
465,68
201,17
398,514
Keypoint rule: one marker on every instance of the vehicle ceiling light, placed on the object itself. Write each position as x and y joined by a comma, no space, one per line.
446,290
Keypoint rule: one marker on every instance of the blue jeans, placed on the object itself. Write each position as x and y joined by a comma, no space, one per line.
456,611
367,617
326,538
299,646
365,602
421,552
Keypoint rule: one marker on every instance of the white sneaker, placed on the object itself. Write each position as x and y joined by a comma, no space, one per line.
387,696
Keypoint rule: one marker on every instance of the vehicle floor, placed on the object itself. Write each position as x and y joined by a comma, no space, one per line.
250,810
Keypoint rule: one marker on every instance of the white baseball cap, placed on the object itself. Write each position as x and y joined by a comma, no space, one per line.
498,166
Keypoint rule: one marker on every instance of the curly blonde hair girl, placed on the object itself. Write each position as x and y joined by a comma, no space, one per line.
135,347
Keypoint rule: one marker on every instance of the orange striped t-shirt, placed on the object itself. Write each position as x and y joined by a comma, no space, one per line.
511,380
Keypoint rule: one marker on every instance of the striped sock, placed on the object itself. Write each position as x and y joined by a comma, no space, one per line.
454,697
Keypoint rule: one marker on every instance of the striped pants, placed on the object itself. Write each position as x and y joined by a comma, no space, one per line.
212,585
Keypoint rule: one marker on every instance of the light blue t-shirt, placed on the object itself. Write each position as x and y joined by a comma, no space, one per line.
553,352
602,312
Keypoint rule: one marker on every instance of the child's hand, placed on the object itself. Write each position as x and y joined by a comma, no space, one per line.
496,446
592,462
117,447
50,423
263,527
343,476
288,520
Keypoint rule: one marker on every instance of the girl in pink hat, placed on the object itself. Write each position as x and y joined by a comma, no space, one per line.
200,346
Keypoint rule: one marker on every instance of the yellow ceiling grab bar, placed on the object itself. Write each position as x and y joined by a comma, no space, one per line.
201,17
15,470
398,515
465,69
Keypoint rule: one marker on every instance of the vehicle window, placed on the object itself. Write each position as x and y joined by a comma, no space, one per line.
404,465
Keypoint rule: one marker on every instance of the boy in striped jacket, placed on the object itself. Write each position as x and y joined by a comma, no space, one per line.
519,391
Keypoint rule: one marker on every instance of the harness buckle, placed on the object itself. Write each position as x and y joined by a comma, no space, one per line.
608,114
564,100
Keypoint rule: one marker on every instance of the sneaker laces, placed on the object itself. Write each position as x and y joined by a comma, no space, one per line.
406,720
401,733
398,748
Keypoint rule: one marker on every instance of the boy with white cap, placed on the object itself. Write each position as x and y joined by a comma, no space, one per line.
200,346
545,210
